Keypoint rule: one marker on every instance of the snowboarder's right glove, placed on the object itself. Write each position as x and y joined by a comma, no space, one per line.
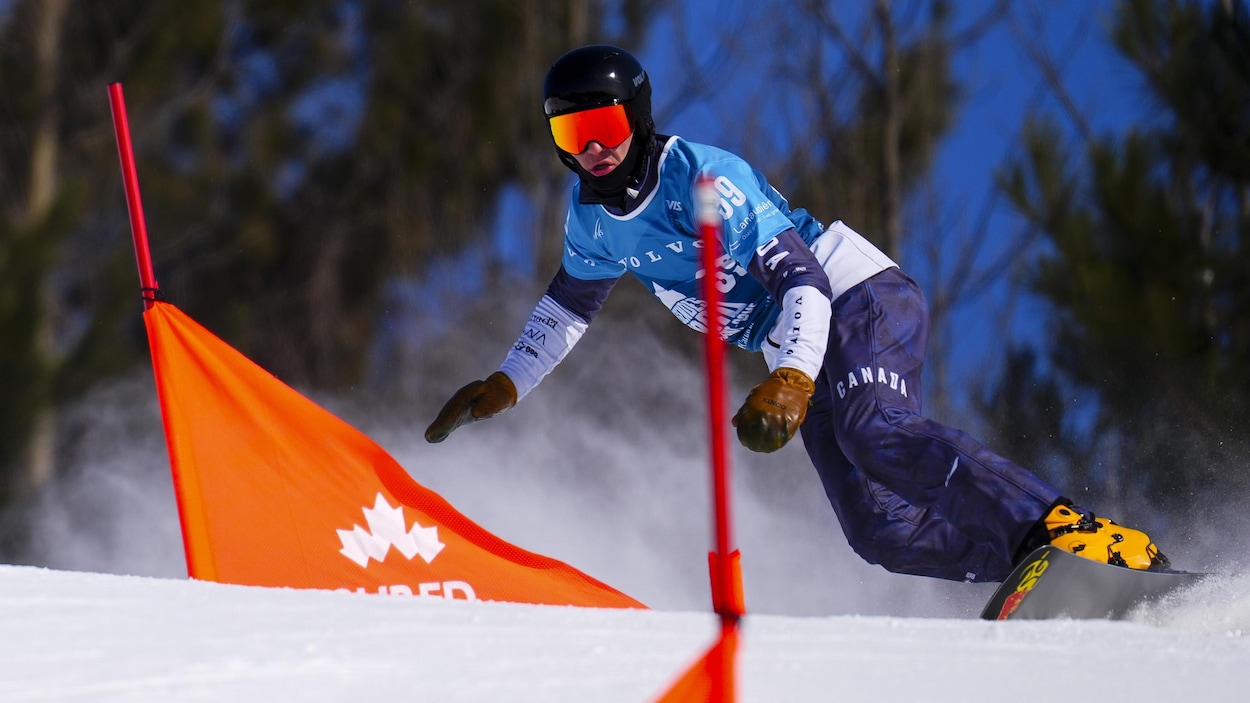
774,409
476,401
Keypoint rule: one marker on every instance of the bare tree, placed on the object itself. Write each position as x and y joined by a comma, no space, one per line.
869,99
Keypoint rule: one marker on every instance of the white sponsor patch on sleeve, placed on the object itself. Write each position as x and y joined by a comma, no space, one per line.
547,338
801,332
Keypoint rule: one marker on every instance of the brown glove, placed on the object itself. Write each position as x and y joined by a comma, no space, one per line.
774,409
476,401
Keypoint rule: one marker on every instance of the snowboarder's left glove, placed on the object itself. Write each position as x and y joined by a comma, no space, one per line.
476,401
774,409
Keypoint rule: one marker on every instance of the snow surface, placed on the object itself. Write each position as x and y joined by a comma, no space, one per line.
77,636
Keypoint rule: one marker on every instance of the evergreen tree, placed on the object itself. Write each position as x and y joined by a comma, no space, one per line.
1148,259
292,155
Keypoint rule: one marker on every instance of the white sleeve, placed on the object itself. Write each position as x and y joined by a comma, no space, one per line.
547,338
803,331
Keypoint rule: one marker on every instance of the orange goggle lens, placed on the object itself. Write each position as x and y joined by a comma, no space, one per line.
607,125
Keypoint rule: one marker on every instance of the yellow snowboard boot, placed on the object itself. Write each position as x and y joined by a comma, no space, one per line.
1102,540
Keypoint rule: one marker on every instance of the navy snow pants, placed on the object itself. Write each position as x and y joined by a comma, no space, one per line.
911,494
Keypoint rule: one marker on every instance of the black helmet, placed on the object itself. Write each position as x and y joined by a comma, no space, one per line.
597,76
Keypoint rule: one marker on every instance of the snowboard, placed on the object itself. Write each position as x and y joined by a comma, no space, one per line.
1054,583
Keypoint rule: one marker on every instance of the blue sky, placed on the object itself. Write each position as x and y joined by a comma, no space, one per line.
1004,87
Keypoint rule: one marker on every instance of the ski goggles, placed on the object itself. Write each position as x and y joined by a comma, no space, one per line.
574,131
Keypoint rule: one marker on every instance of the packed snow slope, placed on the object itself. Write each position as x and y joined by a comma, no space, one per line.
75,636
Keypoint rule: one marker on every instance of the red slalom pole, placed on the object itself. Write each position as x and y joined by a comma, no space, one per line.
130,179
725,568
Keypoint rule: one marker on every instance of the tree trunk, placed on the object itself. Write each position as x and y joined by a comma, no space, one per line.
891,129
41,193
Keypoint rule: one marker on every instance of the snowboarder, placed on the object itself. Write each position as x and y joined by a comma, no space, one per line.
843,331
